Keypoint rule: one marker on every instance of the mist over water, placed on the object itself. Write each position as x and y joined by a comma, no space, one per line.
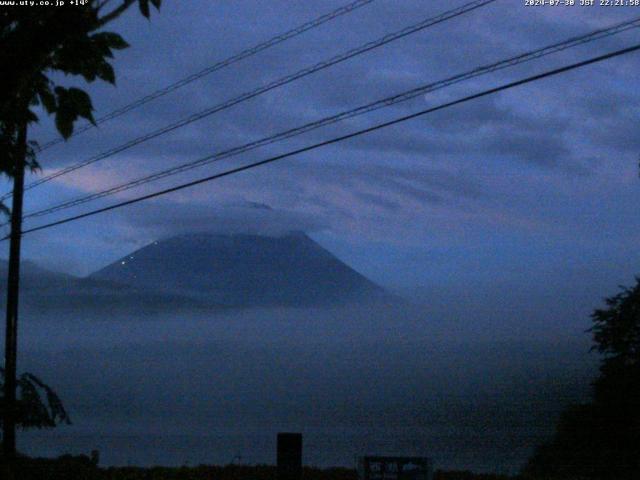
198,387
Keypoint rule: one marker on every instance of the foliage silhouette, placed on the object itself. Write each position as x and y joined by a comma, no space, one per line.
601,440
38,405
36,44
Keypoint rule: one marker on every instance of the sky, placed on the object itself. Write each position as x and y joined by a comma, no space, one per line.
531,193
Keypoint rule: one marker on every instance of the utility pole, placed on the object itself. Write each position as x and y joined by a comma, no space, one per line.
13,288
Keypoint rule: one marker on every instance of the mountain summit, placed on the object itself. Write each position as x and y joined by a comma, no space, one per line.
243,270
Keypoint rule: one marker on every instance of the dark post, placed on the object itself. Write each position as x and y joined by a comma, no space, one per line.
13,285
289,456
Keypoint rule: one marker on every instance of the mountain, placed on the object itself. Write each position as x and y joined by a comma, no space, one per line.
243,270
36,279
46,291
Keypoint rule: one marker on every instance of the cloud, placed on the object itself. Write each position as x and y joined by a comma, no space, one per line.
165,219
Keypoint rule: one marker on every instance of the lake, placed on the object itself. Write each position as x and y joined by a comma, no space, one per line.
215,388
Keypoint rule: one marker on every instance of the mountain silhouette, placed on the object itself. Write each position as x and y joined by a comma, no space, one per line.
35,278
48,291
243,271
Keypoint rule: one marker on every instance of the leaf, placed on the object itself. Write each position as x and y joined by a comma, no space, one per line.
92,64
35,410
82,103
144,7
106,73
72,103
31,117
156,3
56,409
48,100
32,412
111,40
30,159
64,124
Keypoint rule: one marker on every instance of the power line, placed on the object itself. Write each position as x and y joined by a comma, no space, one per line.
315,146
270,86
450,14
218,66
388,101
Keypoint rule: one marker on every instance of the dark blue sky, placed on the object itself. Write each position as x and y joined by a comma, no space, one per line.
533,191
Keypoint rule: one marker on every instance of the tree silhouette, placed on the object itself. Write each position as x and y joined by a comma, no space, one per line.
602,439
37,44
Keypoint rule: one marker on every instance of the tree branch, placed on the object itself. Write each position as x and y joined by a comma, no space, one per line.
115,13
